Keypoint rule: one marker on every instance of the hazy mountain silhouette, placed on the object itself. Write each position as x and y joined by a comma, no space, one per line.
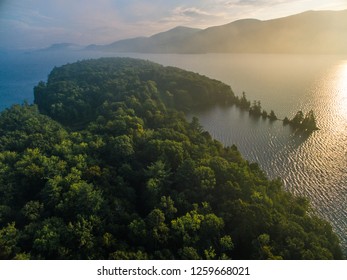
308,32
62,47
164,42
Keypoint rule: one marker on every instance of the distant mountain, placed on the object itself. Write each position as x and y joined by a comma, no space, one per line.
62,47
308,32
164,42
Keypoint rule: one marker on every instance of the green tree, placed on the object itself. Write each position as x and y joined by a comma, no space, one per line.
272,116
158,231
309,121
8,241
298,118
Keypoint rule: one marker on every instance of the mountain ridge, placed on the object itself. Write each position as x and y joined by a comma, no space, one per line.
62,47
307,32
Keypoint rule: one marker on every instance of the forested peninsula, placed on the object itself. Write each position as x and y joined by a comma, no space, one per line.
105,165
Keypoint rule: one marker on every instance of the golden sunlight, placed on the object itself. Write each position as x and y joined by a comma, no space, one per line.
342,87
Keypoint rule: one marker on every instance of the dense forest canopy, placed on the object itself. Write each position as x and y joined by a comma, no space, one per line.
105,166
79,92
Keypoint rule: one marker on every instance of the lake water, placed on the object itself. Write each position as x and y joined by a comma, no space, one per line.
314,165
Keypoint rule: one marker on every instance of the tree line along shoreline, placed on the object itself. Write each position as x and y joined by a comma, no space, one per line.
301,122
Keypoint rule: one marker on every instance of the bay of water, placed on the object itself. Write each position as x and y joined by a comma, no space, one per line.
314,166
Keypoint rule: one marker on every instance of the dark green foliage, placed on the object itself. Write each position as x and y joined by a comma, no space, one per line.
272,116
301,123
76,93
264,114
286,121
309,122
297,119
128,177
255,109
243,102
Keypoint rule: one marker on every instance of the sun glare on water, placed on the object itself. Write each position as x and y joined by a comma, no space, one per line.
342,87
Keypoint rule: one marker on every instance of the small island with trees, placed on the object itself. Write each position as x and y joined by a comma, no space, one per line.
300,122
105,165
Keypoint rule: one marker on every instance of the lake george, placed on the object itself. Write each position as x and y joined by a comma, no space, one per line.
314,165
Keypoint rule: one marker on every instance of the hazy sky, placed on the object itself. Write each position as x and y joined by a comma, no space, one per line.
40,23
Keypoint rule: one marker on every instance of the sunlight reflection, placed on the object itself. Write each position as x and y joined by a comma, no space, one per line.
342,88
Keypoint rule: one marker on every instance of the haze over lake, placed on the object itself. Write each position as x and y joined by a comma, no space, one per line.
310,165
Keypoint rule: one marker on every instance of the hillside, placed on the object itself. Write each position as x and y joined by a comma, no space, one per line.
62,47
104,166
164,42
322,32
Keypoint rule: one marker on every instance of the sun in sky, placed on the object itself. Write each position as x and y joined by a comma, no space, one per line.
39,23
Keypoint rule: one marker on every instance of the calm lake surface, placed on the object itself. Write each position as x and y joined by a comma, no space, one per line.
314,166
